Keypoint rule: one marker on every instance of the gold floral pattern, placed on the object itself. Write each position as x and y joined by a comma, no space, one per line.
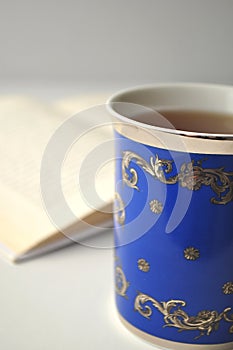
191,253
143,265
228,288
191,176
156,206
206,321
121,283
119,209
156,168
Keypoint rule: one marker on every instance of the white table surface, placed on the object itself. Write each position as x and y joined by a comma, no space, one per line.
62,301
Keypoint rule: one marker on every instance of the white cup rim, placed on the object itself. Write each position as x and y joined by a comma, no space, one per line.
116,98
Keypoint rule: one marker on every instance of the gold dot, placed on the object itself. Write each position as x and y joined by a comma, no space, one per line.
191,253
228,288
156,206
143,265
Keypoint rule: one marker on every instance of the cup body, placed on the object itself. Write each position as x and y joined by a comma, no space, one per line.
173,222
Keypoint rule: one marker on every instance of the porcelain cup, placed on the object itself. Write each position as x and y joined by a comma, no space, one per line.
174,218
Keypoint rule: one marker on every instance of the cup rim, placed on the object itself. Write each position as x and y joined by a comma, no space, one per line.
115,99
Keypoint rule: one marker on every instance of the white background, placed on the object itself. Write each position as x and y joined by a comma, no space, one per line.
130,41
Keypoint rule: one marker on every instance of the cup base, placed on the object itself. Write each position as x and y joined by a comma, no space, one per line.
171,345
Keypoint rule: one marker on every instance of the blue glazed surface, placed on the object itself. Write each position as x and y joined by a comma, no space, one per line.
206,226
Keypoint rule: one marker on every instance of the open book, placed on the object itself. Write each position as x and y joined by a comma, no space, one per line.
27,125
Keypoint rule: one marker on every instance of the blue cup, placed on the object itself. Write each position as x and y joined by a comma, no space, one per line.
174,214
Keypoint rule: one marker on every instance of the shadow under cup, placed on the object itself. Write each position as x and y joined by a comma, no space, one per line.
174,214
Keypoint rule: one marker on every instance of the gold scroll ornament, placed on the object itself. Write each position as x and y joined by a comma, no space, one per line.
174,316
191,176
121,283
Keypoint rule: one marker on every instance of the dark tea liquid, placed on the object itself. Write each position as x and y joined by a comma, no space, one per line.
190,120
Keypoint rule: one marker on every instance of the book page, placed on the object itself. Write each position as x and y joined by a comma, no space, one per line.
26,127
